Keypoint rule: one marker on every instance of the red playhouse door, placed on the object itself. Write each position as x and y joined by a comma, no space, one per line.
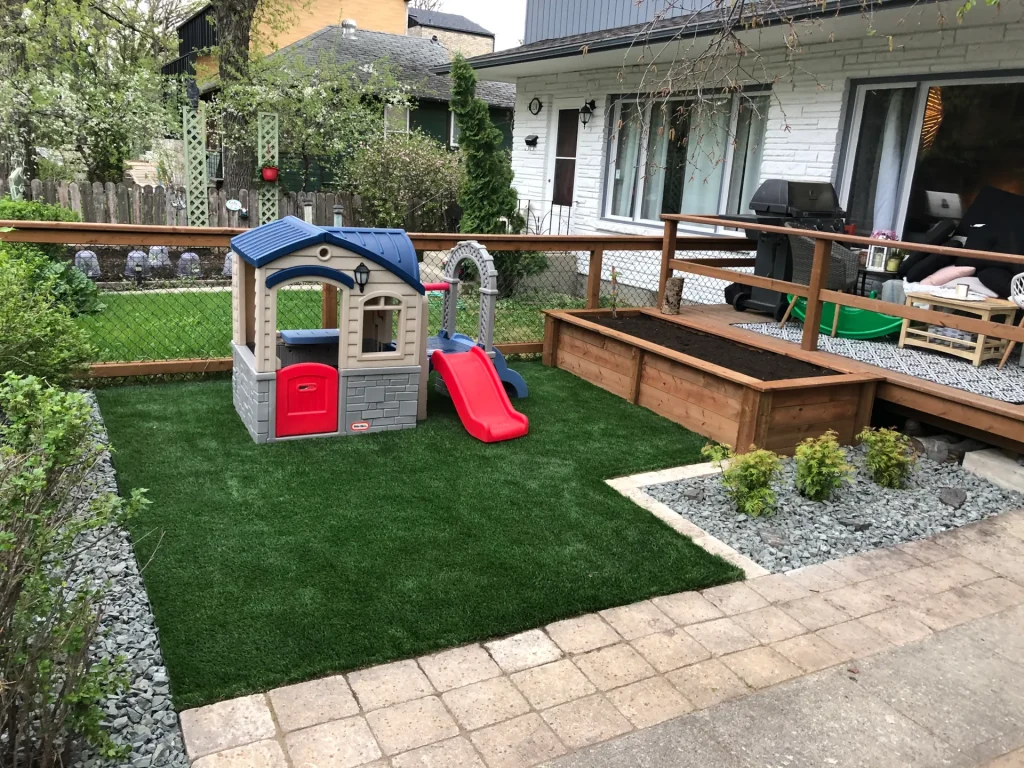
307,399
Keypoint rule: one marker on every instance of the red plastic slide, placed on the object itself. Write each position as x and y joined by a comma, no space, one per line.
479,396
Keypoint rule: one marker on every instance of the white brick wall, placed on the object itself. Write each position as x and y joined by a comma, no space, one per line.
804,123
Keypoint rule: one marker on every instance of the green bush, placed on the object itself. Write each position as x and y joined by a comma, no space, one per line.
890,456
50,687
37,333
821,466
747,478
69,285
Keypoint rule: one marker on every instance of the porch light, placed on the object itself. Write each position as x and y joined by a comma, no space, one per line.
362,275
587,111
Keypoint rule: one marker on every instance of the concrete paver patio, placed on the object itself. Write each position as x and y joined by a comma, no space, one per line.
911,655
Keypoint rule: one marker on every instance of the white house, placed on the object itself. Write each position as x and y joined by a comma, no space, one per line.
888,100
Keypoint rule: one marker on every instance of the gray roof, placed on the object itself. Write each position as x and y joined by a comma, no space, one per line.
699,23
450,21
411,58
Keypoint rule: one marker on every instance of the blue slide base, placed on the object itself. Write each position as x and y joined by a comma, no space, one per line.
460,342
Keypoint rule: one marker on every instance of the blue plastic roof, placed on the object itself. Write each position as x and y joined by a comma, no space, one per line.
390,248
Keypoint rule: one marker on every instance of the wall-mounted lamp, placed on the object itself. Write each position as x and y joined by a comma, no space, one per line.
531,141
362,275
587,111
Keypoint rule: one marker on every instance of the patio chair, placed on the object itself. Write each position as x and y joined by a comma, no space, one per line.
842,271
1017,297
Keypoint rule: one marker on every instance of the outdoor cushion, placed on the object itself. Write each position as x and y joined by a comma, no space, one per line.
929,265
997,279
946,274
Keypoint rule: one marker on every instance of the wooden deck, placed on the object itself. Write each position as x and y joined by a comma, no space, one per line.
962,412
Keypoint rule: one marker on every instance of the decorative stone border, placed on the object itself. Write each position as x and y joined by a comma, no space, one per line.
632,487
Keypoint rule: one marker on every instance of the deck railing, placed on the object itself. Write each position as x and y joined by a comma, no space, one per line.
815,292
170,321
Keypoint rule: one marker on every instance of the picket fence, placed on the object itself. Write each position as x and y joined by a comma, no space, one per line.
125,203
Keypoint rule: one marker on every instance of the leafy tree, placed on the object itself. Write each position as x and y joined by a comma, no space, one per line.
325,110
405,181
490,204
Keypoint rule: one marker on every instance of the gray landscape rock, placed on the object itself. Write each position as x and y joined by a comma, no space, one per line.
861,516
953,497
129,631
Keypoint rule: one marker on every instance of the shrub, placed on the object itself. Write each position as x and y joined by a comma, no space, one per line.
821,466
405,178
890,457
37,333
70,286
48,605
748,478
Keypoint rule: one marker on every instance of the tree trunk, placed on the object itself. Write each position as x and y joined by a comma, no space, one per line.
234,35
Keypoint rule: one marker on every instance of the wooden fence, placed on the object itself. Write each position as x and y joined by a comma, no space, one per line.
125,203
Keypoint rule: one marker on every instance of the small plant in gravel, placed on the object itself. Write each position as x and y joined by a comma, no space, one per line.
890,456
821,466
747,478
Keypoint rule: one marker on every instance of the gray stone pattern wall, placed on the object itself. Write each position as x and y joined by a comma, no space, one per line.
252,393
385,398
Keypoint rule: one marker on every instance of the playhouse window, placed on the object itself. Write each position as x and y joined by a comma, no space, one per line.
381,326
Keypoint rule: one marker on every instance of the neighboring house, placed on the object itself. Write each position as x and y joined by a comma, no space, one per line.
456,33
892,110
413,60
198,32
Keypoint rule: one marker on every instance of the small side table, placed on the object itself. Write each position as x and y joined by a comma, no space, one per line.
917,334
863,273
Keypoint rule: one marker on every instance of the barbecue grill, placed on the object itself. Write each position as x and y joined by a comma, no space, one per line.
800,204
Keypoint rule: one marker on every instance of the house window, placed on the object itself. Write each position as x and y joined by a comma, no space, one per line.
381,332
453,134
681,156
922,150
396,119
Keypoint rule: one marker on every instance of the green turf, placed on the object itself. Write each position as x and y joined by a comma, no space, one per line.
276,563
191,323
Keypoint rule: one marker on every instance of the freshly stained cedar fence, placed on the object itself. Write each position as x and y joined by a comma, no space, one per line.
162,319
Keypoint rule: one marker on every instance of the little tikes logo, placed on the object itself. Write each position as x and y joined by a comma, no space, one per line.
359,426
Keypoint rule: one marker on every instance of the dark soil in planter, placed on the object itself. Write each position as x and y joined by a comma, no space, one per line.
759,364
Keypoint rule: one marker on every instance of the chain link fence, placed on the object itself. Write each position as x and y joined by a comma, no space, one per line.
159,303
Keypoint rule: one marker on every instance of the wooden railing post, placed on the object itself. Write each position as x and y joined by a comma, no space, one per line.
329,308
819,280
668,251
594,278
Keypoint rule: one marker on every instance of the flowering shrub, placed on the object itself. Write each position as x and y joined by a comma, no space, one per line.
405,180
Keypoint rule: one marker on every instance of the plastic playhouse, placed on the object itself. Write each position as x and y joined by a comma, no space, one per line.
369,373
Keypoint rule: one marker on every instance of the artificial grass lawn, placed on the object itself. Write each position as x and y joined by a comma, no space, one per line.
150,325
270,564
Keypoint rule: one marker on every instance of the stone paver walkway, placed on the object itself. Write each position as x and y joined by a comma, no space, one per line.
805,636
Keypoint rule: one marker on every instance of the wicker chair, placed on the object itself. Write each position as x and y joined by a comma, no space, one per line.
1017,297
842,271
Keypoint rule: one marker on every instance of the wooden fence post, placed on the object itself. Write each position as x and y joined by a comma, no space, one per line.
594,278
819,279
668,251
329,306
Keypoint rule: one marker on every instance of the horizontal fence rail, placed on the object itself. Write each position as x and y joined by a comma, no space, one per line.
173,320
816,293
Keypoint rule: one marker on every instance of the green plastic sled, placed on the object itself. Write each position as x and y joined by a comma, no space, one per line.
853,323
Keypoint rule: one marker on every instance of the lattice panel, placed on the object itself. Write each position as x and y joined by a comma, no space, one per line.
268,155
193,125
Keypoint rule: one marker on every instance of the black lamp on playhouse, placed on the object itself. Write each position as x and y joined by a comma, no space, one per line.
362,276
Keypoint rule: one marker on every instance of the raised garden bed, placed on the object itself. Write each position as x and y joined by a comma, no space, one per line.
730,392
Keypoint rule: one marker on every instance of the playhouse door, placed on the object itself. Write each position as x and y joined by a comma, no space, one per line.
307,399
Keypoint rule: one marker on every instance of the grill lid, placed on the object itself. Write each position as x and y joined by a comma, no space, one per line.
797,199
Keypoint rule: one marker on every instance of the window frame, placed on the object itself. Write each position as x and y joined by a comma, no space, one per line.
614,114
408,128
365,306
920,84
453,141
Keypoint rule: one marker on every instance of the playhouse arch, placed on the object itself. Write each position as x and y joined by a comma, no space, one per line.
476,253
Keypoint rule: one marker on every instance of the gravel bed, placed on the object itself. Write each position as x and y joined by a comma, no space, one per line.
143,717
860,517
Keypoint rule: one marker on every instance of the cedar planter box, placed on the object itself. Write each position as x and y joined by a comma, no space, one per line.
710,399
